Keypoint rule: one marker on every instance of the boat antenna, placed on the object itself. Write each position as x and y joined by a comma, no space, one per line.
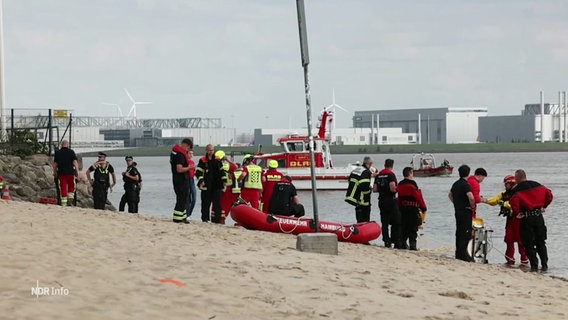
305,63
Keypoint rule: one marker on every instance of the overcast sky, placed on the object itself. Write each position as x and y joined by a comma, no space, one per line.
239,60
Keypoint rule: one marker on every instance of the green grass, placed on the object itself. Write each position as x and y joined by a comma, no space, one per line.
367,149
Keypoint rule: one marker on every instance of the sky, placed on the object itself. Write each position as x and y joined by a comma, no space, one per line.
239,60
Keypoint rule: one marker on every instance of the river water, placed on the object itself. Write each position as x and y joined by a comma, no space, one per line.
157,197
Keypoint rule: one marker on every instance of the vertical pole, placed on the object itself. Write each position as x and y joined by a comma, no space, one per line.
542,116
378,126
565,139
3,131
50,133
419,129
372,138
305,63
70,128
559,115
428,129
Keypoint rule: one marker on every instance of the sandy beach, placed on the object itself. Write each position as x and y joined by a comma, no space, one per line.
105,265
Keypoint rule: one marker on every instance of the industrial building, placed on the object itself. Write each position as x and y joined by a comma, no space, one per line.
526,127
432,125
341,136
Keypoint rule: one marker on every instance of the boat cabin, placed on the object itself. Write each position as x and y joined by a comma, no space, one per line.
296,153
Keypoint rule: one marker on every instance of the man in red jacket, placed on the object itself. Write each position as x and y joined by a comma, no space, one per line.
528,202
410,202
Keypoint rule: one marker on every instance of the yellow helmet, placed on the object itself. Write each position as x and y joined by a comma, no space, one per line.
219,154
273,164
247,157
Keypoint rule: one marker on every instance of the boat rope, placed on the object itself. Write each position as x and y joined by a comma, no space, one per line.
351,229
294,228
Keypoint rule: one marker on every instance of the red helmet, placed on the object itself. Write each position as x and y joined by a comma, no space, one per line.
509,179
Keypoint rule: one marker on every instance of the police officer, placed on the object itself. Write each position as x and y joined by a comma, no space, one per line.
131,178
103,171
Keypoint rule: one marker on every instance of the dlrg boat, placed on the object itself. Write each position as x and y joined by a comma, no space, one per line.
424,165
294,160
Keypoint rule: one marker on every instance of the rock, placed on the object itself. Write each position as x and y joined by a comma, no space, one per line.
32,178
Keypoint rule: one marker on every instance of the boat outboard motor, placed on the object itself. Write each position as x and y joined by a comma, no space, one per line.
478,245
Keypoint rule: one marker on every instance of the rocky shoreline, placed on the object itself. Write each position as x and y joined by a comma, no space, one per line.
32,178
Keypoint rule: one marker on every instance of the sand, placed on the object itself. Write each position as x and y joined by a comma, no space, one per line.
105,265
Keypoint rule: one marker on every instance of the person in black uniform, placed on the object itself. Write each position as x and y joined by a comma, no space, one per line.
284,199
464,206
209,174
103,171
180,178
385,184
123,199
132,180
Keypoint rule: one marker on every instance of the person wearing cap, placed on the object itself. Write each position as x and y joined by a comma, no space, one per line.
131,178
284,199
209,174
103,171
359,190
65,166
512,226
269,178
179,163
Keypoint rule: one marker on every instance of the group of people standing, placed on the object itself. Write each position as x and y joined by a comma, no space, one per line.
401,216
66,172
223,182
523,203
402,209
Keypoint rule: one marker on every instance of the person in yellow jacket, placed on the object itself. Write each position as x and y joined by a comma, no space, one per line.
512,226
231,192
251,178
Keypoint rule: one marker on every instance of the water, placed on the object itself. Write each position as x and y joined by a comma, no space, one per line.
157,197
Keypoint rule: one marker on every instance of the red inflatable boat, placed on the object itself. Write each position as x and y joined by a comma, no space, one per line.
253,219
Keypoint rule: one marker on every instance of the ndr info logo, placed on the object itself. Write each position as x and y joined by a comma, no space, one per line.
49,291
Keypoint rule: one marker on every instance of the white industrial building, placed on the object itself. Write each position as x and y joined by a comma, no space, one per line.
432,125
203,136
341,136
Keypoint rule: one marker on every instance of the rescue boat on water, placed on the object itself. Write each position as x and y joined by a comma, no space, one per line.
424,165
253,219
294,160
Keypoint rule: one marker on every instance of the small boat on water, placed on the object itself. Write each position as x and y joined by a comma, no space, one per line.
294,160
424,165
253,219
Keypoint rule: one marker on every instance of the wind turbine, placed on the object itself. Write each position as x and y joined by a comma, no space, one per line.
118,110
132,112
333,106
